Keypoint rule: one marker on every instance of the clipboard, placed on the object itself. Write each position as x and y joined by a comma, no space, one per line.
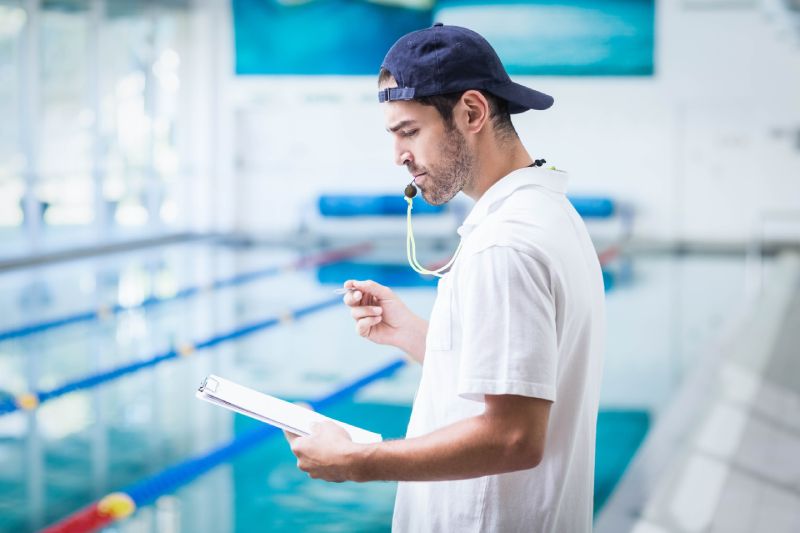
272,410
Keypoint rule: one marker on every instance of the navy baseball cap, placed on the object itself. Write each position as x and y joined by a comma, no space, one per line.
448,59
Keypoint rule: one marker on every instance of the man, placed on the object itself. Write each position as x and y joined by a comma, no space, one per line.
502,432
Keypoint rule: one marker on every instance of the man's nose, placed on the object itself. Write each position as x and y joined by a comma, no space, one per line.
402,156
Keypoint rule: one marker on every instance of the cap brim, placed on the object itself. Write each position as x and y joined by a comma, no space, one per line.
521,98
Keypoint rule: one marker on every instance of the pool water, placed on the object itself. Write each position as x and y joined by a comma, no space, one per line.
662,312
270,493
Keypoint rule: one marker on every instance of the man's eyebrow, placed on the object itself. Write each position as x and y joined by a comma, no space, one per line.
399,125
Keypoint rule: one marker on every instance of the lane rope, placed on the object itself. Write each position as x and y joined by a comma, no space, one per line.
121,504
106,311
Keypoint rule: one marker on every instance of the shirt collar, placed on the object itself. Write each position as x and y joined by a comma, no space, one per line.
555,180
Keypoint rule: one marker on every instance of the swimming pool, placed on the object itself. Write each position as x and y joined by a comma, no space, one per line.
78,447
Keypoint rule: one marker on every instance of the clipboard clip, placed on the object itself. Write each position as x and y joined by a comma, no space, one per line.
209,383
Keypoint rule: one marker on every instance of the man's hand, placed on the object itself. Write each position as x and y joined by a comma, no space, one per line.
325,454
383,318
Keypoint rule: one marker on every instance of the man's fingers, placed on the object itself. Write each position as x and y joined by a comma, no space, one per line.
363,325
352,298
365,291
290,436
361,293
371,287
365,311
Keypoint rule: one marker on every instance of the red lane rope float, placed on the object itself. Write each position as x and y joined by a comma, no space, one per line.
119,505
122,504
609,254
113,507
332,256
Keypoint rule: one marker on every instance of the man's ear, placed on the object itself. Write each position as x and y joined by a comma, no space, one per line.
475,111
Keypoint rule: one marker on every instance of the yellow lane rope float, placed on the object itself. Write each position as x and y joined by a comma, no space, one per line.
117,505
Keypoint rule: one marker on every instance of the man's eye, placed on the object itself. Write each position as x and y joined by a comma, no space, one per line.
409,133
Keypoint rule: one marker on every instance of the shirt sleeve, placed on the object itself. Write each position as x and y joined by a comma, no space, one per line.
508,317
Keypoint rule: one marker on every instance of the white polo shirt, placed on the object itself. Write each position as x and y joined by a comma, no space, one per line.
520,312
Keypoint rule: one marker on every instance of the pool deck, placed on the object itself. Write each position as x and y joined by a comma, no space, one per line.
726,456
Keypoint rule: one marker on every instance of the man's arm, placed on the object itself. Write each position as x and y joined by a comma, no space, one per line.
414,345
508,436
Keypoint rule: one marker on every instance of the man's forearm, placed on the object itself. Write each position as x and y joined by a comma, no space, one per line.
415,340
467,449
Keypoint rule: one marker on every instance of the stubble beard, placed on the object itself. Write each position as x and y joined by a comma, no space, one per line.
448,178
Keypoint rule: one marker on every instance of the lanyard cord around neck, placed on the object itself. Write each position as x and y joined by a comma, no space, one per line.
411,246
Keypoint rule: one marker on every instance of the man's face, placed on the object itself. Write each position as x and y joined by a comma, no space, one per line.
437,156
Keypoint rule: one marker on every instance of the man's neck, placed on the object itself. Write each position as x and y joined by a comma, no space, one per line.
496,162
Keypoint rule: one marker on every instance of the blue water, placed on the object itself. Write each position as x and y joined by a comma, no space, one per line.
280,498
78,448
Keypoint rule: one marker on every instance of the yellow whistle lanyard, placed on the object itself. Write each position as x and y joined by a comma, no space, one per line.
411,248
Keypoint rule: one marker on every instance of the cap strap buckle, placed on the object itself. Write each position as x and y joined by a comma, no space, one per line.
396,93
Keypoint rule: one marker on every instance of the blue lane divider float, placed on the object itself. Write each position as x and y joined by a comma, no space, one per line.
169,480
356,205
121,504
150,489
32,400
104,311
359,205
593,206
389,274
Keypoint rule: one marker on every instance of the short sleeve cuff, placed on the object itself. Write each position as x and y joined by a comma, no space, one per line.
476,389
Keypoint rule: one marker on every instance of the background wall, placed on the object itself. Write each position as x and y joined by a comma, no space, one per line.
701,149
